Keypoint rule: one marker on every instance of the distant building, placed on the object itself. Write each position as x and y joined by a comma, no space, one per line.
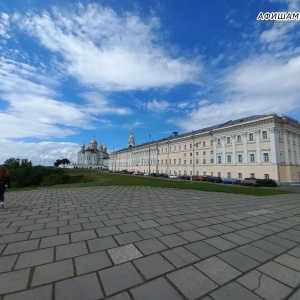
261,146
92,156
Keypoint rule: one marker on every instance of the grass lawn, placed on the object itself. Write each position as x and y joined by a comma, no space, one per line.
96,178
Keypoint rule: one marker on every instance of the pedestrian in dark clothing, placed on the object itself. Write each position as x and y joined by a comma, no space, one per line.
4,183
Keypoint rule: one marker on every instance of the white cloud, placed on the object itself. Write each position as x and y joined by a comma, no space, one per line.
159,106
109,51
183,104
257,86
39,153
4,25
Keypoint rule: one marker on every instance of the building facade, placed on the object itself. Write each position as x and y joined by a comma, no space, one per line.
92,156
263,146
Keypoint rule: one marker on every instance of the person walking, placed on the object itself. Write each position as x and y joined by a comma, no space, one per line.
4,183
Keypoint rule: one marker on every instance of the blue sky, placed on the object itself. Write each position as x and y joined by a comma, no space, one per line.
71,70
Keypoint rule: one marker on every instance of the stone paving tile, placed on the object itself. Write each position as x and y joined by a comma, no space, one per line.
234,291
44,292
127,238
191,282
220,243
71,250
281,273
7,263
114,217
153,265
180,257
124,253
92,262
124,276
217,270
19,247
14,281
150,246
52,272
255,253
157,289
238,260
172,240
264,286
289,261
35,258
202,249
54,240
81,287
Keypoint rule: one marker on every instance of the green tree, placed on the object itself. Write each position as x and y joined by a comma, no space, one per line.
61,161
12,163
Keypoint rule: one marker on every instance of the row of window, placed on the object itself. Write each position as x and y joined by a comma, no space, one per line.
219,159
264,135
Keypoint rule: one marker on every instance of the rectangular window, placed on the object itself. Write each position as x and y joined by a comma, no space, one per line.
240,175
229,174
204,152
250,136
191,173
252,175
219,159
228,140
239,138
266,157
174,161
219,141
197,153
211,152
211,173
170,149
191,161
267,176
174,148
179,147
229,158
162,150
264,134
166,162
197,173
184,154
204,161
162,162
252,157
211,160
191,146
179,161
170,161
185,161
197,161
191,154
203,144
211,142
219,174
240,158
204,173
184,147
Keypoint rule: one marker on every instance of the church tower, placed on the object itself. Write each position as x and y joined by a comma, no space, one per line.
131,140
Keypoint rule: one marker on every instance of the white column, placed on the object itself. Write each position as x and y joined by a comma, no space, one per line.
233,159
245,147
297,149
285,147
223,150
292,148
257,139
274,145
215,150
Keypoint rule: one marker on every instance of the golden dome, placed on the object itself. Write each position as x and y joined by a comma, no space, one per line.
93,142
104,147
88,148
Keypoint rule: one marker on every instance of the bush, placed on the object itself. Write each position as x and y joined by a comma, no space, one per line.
267,182
41,176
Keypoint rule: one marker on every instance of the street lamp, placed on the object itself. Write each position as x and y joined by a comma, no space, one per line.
149,154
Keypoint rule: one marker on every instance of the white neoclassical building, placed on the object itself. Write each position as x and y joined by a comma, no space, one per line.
261,146
92,156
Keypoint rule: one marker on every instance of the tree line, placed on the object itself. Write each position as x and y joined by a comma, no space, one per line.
24,174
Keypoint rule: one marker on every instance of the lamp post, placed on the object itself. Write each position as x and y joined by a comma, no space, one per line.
149,155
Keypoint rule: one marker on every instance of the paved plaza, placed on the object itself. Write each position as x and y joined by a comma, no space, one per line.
141,243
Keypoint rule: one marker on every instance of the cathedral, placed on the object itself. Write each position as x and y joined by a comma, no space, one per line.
92,156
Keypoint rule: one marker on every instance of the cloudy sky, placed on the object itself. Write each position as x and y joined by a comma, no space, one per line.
70,70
